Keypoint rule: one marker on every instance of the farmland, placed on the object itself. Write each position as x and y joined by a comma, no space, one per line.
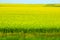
29,22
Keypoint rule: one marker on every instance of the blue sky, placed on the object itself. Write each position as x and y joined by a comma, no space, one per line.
31,1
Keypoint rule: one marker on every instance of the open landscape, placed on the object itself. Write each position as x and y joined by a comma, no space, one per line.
29,22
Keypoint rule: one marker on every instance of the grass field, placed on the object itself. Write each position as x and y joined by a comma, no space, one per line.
41,38
29,17
27,37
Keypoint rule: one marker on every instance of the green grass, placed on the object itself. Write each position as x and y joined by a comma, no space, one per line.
40,38
29,36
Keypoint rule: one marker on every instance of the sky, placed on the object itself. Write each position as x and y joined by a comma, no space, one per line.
31,1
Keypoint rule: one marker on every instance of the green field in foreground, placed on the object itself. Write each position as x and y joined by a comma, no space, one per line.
41,38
